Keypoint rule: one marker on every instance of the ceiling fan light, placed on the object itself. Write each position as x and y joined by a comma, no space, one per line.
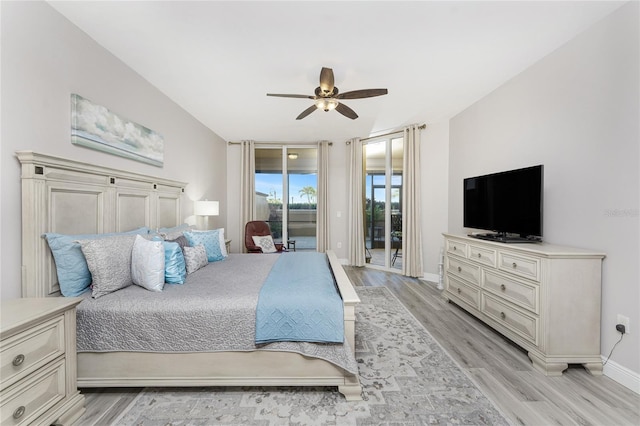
326,104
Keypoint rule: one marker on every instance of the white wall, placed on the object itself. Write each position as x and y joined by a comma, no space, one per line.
575,111
44,59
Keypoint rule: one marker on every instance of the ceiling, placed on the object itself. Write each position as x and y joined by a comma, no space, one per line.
217,60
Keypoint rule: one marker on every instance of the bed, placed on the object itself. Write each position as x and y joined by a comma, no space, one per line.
70,197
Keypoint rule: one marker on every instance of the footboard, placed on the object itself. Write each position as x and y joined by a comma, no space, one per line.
349,298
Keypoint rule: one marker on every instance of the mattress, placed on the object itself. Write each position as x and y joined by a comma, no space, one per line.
213,311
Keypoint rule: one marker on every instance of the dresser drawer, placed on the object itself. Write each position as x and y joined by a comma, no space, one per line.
482,255
463,292
26,400
30,349
520,293
516,321
524,266
464,270
456,248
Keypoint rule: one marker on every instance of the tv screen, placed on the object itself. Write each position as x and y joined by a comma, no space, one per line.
507,202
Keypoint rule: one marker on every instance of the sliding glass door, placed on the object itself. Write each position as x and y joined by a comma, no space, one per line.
286,180
383,201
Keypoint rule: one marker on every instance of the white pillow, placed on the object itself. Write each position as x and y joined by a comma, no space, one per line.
147,264
265,243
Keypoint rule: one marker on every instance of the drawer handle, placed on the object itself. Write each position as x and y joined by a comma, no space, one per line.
18,360
479,255
515,265
503,287
455,248
503,315
459,291
19,412
459,269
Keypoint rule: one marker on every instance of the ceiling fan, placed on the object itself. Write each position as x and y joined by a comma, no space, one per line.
327,95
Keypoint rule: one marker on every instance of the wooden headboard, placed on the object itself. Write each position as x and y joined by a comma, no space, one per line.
71,197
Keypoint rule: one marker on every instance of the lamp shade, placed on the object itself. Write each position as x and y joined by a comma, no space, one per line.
206,208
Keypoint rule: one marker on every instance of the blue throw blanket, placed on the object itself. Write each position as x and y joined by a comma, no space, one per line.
299,302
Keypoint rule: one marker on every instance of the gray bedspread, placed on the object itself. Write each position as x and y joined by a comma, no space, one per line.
214,311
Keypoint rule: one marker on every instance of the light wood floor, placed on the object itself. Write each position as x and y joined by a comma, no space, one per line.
498,367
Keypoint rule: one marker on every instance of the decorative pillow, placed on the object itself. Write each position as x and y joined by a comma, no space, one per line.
181,227
265,243
109,261
181,241
195,258
175,232
175,271
147,264
154,235
213,241
71,267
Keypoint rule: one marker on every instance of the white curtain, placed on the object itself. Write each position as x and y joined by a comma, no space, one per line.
322,209
247,185
356,204
411,224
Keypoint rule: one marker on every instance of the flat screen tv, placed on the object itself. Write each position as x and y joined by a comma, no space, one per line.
507,203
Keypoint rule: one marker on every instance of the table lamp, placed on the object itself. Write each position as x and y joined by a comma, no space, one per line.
206,208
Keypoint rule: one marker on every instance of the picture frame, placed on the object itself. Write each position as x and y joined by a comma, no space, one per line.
96,127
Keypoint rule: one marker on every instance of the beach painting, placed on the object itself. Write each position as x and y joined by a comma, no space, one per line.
94,126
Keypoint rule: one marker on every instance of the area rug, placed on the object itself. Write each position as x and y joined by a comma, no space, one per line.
407,379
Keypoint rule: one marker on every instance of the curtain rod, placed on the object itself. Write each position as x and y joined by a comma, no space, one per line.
421,127
277,143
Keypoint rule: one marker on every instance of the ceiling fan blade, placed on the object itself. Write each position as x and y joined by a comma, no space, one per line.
284,95
364,93
326,80
346,111
306,112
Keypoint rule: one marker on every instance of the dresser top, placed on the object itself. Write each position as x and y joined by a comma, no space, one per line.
540,249
17,314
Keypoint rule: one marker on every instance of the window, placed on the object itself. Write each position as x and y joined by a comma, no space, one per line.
383,200
286,179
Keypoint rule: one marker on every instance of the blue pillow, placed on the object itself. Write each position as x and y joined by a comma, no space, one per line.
181,227
213,242
71,266
175,270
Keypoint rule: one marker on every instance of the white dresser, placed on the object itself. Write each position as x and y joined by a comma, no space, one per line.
38,381
543,297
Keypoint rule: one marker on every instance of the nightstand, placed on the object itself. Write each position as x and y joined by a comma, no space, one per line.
38,376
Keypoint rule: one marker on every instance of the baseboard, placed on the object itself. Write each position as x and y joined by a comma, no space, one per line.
432,278
624,376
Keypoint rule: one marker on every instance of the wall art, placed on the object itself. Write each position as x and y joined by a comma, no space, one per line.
96,127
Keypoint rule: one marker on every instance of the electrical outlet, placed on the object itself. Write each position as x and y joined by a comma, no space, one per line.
624,321
339,244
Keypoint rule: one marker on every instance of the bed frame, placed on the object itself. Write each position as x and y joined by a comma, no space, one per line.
72,197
